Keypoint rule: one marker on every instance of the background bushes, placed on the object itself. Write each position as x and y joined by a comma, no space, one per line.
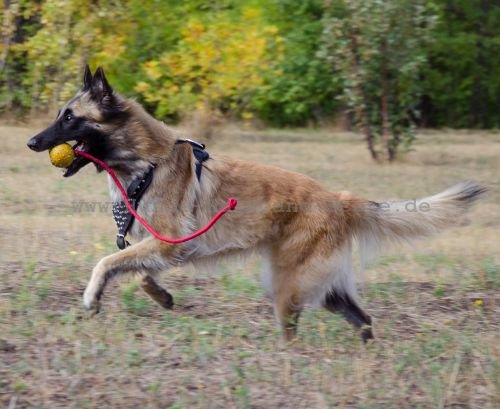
244,59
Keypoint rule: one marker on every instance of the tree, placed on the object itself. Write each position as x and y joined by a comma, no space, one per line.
15,26
301,89
217,65
462,80
70,33
378,48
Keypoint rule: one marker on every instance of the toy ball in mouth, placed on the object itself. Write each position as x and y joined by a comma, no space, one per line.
62,155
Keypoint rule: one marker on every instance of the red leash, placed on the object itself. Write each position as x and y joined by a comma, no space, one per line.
231,205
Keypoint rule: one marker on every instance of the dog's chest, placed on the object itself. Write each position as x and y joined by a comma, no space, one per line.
145,208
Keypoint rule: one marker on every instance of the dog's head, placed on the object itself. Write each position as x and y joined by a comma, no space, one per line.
89,119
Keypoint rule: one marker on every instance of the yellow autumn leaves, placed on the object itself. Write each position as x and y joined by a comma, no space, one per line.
217,65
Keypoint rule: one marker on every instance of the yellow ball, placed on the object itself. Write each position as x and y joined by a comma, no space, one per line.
62,155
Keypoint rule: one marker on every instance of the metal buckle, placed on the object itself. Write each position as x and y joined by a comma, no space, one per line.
120,241
198,144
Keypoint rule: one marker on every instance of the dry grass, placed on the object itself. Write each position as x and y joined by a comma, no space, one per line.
436,305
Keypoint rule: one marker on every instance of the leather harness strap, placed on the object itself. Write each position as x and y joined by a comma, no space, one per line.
199,153
123,218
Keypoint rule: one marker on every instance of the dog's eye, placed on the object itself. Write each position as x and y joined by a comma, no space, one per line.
68,117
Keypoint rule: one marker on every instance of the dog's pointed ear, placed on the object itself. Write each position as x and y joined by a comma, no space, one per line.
87,78
100,88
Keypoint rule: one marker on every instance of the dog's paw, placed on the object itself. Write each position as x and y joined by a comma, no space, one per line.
91,303
168,301
92,309
367,335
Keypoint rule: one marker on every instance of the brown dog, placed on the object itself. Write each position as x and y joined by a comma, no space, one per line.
303,232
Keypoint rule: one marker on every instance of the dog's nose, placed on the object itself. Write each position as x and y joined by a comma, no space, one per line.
33,144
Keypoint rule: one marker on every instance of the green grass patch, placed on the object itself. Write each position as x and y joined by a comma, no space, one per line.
133,301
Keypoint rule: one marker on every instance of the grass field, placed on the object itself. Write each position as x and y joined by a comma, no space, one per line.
436,306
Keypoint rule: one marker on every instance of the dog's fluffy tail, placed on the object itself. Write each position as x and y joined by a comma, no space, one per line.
377,223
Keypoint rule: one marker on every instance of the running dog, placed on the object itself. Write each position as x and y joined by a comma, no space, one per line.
304,233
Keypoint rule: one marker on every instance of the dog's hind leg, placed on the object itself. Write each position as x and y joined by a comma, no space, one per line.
344,304
155,291
288,303
287,311
150,256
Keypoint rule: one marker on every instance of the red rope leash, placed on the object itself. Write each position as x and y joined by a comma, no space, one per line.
231,205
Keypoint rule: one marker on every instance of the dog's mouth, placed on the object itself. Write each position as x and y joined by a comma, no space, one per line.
79,161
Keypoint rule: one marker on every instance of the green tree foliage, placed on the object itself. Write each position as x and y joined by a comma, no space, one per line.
378,49
304,89
261,58
16,26
153,28
55,39
463,77
72,32
217,65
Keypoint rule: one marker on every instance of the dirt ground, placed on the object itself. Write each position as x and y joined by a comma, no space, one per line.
435,305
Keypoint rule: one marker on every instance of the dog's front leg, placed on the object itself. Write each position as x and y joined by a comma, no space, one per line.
150,256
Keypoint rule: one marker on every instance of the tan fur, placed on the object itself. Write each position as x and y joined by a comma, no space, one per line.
85,107
304,232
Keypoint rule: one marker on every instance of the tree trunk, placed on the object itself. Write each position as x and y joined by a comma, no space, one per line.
360,106
384,103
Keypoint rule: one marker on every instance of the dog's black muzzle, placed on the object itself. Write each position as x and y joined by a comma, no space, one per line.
45,140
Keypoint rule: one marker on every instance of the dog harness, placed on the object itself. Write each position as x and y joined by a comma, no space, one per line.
122,216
